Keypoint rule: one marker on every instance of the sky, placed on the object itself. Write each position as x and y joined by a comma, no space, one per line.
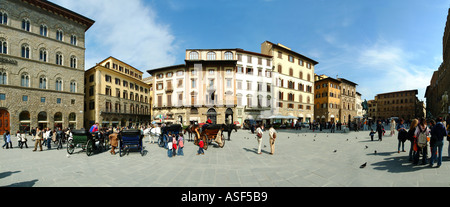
383,46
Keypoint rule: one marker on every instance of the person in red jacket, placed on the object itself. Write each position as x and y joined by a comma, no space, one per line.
200,149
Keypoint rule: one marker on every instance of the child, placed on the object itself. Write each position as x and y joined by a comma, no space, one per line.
174,145
180,145
372,133
200,149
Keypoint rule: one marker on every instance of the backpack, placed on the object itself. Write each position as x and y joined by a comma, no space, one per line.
422,140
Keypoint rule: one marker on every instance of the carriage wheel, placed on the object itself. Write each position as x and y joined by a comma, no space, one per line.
89,147
205,141
141,147
70,147
101,146
121,149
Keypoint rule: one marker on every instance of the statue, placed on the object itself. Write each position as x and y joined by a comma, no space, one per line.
365,105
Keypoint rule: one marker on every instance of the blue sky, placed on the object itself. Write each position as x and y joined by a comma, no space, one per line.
384,45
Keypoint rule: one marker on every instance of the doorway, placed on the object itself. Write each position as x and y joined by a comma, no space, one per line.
4,121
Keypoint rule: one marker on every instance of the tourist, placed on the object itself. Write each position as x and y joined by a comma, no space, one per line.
174,145
421,129
392,127
438,132
23,141
401,135
410,137
180,144
49,135
39,136
273,136
380,131
7,139
169,146
19,138
259,134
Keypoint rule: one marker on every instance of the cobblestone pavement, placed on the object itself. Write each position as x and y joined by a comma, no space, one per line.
302,159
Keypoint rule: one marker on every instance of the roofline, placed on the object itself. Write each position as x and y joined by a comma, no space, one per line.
330,79
345,80
52,7
414,90
166,68
233,49
285,49
120,62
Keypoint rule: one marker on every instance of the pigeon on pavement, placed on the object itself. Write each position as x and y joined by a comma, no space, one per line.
363,165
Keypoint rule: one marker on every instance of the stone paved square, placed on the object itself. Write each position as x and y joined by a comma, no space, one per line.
302,159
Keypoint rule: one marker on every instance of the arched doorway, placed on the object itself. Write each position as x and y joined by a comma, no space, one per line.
212,114
42,120
58,119
25,121
229,116
4,121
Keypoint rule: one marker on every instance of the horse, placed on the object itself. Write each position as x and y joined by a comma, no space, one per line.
190,130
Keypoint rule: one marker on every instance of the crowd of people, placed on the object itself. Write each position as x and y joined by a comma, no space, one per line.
422,135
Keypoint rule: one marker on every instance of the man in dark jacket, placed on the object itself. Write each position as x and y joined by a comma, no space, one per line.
438,132
380,130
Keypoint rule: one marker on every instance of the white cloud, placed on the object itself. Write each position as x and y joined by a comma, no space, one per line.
392,69
127,30
379,66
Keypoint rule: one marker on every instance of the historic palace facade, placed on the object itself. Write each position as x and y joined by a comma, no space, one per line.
116,95
41,65
437,93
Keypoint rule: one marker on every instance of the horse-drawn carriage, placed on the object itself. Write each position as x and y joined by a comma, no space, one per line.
213,132
173,129
87,142
130,139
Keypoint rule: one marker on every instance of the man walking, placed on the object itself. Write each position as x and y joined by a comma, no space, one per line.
438,132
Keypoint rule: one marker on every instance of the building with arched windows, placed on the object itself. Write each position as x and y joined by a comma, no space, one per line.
40,85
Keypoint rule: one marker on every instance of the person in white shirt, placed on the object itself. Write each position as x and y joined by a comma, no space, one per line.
259,134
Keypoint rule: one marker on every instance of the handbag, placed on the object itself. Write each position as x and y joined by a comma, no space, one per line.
259,135
274,135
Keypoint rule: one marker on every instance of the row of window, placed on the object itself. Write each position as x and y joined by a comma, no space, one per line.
118,81
133,97
133,109
25,98
291,97
291,106
43,29
291,73
43,82
43,54
125,70
292,60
